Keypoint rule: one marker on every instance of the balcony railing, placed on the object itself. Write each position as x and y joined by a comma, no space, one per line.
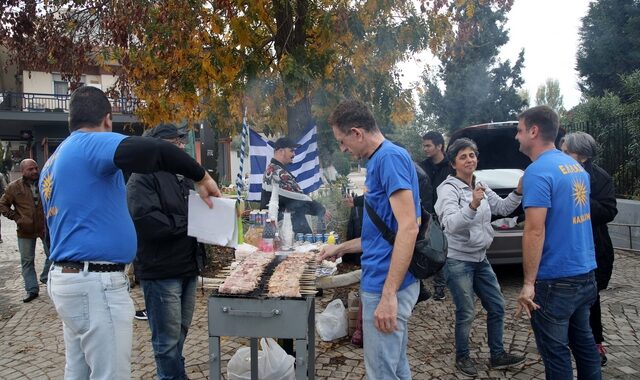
33,102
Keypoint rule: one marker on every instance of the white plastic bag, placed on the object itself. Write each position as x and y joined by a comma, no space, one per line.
273,363
331,324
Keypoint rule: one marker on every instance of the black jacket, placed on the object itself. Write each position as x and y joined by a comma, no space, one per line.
158,206
603,211
437,174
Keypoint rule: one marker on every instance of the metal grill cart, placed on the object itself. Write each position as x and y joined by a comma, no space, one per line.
255,316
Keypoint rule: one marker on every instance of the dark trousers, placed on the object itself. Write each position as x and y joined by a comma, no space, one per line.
595,320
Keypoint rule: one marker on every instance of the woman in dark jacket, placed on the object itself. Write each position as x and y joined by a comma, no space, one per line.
582,147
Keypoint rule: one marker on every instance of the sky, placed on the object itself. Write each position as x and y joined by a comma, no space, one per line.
548,32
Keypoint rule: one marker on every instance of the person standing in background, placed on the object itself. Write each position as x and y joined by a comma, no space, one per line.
437,167
21,203
582,147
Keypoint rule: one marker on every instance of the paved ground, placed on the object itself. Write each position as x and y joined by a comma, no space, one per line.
33,348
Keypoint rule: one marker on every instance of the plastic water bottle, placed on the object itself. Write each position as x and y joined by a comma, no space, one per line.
286,231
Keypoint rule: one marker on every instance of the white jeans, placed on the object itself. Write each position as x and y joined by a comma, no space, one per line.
97,318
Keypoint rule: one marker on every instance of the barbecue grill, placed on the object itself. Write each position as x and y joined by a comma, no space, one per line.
254,315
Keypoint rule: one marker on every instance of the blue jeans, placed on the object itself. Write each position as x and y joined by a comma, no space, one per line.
97,320
27,248
465,280
561,326
385,355
170,304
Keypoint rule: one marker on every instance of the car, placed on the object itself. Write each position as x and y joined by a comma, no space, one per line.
500,166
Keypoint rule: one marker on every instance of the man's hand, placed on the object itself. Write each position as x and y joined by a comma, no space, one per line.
329,252
525,301
207,187
348,201
385,315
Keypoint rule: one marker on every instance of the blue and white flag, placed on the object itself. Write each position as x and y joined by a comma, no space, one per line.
305,166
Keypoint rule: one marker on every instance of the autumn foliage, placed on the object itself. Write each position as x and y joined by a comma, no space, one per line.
286,62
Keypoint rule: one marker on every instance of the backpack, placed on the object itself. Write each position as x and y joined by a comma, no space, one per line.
430,251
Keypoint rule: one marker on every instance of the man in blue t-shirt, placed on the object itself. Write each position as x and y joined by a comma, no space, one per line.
92,235
388,290
557,250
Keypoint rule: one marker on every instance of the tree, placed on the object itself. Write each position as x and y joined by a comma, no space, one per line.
609,45
549,94
472,85
285,61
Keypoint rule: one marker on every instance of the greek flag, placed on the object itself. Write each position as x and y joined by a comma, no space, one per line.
305,166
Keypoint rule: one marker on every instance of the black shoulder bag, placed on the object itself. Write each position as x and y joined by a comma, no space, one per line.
430,252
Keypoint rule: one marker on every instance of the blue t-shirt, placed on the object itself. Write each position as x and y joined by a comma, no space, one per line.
85,201
389,169
560,184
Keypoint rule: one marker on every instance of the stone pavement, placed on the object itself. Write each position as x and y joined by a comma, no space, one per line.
33,347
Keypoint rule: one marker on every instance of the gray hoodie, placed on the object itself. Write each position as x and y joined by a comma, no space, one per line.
469,233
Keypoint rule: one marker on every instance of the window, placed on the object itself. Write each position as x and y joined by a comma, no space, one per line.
60,88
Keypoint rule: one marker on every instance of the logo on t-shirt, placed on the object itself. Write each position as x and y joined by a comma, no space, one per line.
580,201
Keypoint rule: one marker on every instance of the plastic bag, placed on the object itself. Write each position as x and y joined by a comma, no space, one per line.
332,323
273,363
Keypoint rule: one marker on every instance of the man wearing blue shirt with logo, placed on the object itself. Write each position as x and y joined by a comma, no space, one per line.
92,234
388,290
557,250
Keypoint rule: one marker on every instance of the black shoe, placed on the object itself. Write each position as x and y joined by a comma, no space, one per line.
43,281
30,297
506,360
438,294
467,366
141,315
423,296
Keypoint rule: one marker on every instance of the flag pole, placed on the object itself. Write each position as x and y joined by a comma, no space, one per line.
239,180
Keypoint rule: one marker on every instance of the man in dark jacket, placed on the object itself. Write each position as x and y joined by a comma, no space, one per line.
166,259
437,167
21,203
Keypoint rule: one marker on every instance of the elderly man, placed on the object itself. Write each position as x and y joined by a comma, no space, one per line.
290,195
388,290
21,203
93,236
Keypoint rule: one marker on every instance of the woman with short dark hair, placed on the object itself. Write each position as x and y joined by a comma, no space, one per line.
465,208
583,148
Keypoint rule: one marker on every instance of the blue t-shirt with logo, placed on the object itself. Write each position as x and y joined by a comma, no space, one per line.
85,202
389,169
560,184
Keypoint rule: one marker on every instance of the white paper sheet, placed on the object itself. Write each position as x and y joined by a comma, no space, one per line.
215,225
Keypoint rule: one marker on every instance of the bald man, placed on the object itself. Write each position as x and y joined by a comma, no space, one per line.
21,203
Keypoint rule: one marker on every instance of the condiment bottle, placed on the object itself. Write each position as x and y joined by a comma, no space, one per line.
331,240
